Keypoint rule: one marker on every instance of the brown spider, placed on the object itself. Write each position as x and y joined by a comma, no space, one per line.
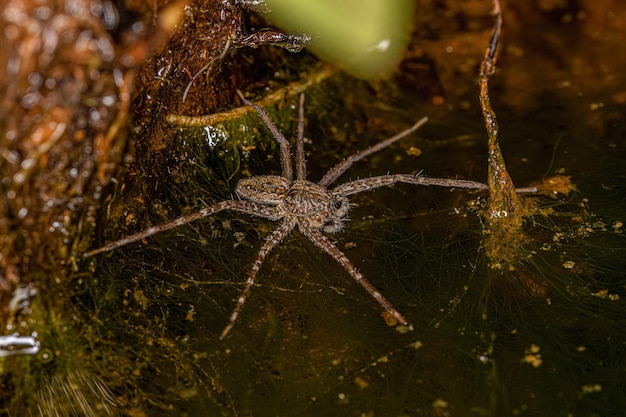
314,208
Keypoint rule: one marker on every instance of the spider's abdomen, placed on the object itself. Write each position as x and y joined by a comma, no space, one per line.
263,189
305,199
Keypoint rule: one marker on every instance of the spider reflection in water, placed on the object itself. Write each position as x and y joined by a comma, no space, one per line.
313,207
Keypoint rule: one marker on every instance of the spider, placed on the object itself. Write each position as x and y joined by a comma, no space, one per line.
313,207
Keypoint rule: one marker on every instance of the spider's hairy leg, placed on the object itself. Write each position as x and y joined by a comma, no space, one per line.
300,158
341,167
236,205
270,242
342,207
327,246
285,149
367,184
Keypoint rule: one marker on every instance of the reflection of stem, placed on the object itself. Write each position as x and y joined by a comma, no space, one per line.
499,179
30,163
289,90
506,209
110,145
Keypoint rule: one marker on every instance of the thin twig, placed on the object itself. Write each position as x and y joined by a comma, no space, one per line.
290,90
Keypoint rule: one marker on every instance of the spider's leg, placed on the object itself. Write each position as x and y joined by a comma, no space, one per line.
272,240
285,149
371,183
367,184
300,158
236,205
341,167
341,209
327,246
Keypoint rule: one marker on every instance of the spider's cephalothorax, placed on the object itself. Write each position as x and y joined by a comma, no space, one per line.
313,207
